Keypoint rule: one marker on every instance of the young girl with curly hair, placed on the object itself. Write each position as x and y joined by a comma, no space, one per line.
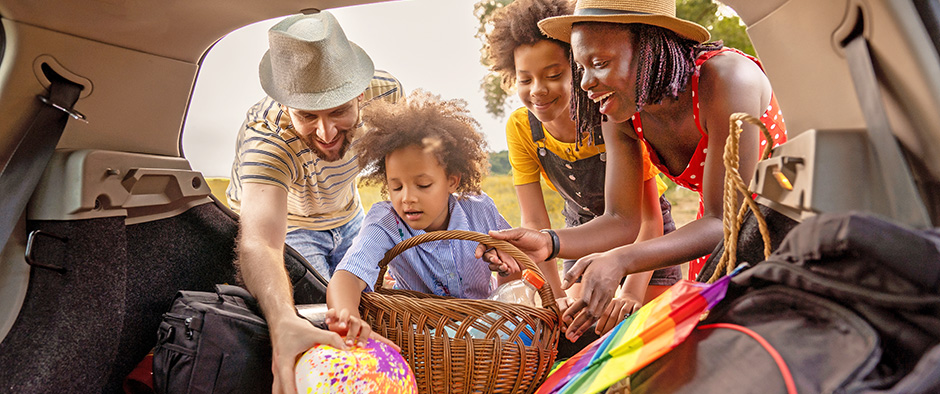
429,159
544,144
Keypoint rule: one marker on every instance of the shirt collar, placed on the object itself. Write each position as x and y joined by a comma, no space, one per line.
458,217
458,221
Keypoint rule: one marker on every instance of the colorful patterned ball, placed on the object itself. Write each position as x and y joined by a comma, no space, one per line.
373,368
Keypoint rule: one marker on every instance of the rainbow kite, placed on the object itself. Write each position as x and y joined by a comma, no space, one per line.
656,328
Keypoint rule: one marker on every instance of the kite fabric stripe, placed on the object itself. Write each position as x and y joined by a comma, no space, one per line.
656,328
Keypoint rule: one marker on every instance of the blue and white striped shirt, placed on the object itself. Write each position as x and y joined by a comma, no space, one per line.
445,267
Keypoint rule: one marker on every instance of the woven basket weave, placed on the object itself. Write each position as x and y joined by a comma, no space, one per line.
432,331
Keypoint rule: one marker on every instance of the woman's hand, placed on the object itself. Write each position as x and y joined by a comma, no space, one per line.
499,261
536,244
600,277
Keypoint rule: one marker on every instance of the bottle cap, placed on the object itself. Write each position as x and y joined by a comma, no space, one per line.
533,278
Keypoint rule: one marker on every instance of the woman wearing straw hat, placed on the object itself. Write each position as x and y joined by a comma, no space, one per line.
649,75
545,145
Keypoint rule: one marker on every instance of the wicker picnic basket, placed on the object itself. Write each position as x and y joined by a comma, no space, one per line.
458,345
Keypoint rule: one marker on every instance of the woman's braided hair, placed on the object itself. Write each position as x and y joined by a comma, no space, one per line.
666,62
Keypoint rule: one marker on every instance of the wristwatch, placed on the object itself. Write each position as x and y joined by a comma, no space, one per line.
555,243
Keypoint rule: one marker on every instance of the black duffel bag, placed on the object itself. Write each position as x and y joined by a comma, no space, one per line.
213,343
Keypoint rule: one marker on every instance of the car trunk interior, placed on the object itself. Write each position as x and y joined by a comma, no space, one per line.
118,221
835,166
124,222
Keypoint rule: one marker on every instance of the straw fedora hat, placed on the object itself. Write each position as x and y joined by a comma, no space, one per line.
311,65
660,13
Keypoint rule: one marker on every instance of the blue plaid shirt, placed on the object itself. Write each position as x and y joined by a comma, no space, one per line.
445,267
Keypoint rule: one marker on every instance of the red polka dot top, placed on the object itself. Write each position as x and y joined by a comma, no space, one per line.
691,177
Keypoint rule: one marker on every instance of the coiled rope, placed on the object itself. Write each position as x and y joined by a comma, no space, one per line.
731,221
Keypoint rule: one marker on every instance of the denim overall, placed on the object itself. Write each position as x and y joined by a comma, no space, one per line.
581,185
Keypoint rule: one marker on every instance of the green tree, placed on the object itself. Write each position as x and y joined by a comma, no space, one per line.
724,27
727,28
491,84
499,163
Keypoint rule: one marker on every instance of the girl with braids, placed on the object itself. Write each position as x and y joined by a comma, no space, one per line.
429,159
658,87
544,143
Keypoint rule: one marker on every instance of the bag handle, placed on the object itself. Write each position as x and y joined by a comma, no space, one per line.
237,292
548,300
731,222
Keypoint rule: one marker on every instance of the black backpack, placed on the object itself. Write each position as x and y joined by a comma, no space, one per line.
848,303
213,343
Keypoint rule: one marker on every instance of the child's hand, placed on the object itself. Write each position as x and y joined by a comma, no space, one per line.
499,261
355,331
563,304
618,309
601,274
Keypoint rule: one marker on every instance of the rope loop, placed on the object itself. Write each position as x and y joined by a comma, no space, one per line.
732,215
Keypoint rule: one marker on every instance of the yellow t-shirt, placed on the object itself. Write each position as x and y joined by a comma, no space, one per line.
523,152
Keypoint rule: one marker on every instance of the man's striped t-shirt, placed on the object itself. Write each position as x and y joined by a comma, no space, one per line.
321,195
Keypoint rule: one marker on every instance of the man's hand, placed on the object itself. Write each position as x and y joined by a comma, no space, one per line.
600,276
537,245
289,339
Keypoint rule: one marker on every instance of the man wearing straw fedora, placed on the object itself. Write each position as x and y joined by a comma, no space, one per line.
293,177
657,84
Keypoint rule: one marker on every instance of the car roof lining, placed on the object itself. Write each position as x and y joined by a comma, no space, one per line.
138,99
177,29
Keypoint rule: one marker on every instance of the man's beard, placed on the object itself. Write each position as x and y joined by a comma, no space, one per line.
347,139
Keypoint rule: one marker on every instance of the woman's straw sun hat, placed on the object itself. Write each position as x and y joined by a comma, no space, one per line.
660,13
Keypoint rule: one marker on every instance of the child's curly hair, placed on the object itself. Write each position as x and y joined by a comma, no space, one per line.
442,127
515,25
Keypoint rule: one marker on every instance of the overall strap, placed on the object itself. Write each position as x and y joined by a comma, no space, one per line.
536,126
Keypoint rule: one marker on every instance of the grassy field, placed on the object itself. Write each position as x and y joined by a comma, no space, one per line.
501,190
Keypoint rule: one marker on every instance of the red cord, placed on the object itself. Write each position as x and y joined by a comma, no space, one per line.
784,370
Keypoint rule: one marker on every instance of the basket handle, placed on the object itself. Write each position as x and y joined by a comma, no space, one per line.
548,299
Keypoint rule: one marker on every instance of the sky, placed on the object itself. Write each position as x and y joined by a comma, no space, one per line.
427,44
